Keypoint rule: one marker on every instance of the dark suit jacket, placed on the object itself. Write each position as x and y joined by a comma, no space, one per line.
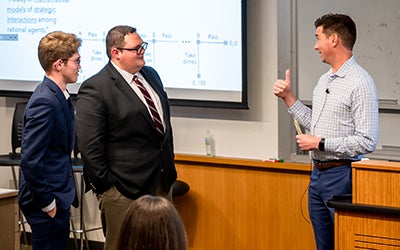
117,138
48,137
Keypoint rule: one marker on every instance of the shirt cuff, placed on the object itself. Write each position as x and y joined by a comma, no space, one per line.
49,207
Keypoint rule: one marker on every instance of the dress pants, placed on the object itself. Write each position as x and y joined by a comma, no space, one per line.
113,206
49,233
324,185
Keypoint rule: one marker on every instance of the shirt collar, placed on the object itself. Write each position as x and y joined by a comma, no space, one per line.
66,94
343,70
125,74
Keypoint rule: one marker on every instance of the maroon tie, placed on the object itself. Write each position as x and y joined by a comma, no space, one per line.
154,113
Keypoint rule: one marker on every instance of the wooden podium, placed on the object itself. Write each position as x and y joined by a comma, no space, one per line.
376,183
371,219
9,230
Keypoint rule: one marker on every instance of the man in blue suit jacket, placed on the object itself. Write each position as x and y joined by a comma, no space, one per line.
47,185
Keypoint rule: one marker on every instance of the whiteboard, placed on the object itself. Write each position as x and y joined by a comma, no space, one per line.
377,47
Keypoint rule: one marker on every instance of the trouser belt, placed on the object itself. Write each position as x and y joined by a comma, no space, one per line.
322,165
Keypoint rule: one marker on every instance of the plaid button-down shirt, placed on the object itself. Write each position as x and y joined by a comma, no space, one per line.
344,112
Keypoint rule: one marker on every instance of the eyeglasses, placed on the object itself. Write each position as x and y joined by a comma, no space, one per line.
139,49
77,61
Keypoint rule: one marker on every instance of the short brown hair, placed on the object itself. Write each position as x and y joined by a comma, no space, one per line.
57,45
116,37
152,222
341,24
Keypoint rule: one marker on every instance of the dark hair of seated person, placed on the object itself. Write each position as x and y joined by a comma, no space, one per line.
152,222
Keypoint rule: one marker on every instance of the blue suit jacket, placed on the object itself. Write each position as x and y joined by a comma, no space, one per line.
48,137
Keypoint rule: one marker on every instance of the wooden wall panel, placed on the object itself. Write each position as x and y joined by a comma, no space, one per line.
239,204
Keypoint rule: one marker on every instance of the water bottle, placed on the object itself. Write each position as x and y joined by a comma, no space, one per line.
209,144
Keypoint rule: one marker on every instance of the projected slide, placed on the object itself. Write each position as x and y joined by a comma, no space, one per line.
193,44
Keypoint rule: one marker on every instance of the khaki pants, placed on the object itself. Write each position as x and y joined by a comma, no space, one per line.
113,206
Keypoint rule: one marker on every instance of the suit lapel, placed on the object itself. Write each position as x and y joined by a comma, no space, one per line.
130,94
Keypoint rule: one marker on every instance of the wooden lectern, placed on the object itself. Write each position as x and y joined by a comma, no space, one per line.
371,219
9,230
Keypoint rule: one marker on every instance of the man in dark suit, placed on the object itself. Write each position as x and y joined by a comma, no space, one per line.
124,131
47,185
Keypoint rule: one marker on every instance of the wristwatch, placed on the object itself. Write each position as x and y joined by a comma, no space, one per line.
321,145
